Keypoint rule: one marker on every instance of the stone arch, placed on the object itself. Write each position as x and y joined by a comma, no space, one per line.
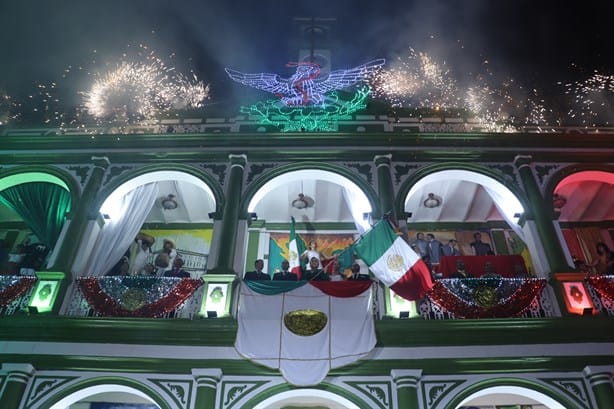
147,174
332,173
49,174
476,173
522,387
327,396
89,387
561,174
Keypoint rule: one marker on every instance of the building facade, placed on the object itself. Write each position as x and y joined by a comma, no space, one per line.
230,186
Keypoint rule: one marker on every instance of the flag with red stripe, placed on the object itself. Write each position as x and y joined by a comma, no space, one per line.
393,262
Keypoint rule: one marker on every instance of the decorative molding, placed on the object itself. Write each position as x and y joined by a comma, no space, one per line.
542,171
216,170
403,170
81,173
365,170
434,391
43,385
233,391
380,393
509,172
258,169
180,391
574,388
115,170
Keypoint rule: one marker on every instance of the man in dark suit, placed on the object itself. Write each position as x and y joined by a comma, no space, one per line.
285,274
314,273
356,275
460,270
450,249
258,274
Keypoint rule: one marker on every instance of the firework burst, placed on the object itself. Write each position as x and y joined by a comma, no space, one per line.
138,90
416,81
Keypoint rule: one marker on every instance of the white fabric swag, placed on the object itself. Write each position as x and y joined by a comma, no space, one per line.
304,360
118,234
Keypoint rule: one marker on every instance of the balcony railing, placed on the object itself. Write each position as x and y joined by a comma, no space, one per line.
487,298
601,290
15,293
135,296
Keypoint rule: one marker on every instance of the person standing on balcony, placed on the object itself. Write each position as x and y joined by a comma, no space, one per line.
314,272
141,252
285,274
419,245
312,252
450,249
257,274
433,248
479,247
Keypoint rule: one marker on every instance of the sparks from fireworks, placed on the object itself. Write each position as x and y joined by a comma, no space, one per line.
504,106
593,99
137,90
418,81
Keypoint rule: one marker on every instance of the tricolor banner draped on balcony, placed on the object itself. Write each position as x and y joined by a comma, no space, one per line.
394,262
305,329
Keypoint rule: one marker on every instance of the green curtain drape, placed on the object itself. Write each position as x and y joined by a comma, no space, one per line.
43,207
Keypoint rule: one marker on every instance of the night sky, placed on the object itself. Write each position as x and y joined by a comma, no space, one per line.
536,42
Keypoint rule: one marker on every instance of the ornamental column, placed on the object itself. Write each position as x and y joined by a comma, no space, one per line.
406,382
206,386
600,379
71,237
384,186
230,217
82,211
541,216
18,376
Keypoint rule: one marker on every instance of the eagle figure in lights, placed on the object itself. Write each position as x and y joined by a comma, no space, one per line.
305,88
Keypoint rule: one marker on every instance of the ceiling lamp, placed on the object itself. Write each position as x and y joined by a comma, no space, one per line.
432,201
303,201
169,202
300,203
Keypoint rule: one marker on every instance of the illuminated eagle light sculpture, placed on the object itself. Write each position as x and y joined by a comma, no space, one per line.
305,87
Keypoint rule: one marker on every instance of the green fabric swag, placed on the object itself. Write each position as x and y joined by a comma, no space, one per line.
43,207
273,287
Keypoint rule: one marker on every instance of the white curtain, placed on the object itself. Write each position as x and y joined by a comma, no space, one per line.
356,203
119,232
499,201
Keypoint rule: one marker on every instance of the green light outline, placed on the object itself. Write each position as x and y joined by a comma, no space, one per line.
30,177
301,118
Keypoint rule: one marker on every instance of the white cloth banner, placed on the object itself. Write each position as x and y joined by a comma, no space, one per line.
262,337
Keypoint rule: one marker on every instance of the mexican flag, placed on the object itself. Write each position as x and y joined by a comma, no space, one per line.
393,262
296,247
305,329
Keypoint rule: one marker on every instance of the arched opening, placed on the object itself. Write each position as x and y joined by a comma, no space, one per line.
312,398
106,395
583,201
512,396
329,209
172,207
457,204
155,227
33,208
